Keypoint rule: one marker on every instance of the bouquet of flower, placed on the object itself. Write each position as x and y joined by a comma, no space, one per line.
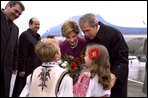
73,64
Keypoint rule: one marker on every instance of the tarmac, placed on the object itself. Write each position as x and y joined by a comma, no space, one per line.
135,89
136,79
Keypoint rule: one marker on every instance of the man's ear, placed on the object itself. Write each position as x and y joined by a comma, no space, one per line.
96,25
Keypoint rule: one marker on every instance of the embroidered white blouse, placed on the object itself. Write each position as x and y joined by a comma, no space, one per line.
95,89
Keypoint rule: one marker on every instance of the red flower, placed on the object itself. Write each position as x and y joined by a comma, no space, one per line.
74,64
76,59
82,57
94,53
75,68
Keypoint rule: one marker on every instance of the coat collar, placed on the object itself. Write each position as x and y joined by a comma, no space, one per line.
50,64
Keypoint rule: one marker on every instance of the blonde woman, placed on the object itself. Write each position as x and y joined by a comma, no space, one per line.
74,44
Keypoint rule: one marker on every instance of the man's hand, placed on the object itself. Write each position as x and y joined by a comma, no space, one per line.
14,72
113,80
22,73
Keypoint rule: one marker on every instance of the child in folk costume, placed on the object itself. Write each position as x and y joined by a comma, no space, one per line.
95,79
49,79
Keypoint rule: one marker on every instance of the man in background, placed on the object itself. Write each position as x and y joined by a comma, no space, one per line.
9,44
28,60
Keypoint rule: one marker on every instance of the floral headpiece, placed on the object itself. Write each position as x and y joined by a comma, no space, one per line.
94,53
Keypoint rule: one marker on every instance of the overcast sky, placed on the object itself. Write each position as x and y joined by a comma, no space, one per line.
51,13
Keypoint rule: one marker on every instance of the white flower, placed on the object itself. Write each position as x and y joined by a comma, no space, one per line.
59,61
64,64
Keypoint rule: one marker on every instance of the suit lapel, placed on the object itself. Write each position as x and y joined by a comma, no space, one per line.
4,28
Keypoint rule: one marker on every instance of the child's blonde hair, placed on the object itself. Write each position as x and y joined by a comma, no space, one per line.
100,63
46,50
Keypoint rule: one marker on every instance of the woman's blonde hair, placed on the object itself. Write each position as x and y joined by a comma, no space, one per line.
46,50
100,65
69,26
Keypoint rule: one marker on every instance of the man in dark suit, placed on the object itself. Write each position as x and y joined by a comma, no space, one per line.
9,44
112,39
28,60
